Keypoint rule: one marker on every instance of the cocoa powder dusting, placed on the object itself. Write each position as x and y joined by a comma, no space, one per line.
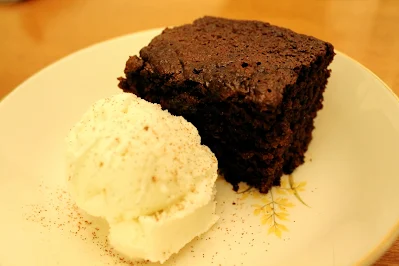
61,213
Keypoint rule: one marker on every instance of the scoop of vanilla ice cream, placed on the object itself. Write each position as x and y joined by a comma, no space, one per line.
140,168
158,236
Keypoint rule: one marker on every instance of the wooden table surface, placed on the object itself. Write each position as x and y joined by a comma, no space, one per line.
38,32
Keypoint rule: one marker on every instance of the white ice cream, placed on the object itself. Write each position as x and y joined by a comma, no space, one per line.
146,172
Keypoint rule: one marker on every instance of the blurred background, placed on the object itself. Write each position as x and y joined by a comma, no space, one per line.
35,33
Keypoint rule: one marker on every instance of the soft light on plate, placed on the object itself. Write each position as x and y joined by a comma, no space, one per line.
339,208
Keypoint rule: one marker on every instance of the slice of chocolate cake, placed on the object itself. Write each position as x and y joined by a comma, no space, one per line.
251,89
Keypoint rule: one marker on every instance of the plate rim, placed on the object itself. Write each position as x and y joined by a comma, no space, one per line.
373,254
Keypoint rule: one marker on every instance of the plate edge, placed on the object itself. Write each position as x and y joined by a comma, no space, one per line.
372,256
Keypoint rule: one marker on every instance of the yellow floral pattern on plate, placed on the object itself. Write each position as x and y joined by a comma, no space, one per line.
273,206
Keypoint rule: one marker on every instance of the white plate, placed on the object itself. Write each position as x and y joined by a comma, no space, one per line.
349,181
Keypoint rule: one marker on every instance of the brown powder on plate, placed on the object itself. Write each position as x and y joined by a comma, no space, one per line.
59,212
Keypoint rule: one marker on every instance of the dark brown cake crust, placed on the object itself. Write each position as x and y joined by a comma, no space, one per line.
251,89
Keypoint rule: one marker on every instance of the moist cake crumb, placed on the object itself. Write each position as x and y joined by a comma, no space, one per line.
252,90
